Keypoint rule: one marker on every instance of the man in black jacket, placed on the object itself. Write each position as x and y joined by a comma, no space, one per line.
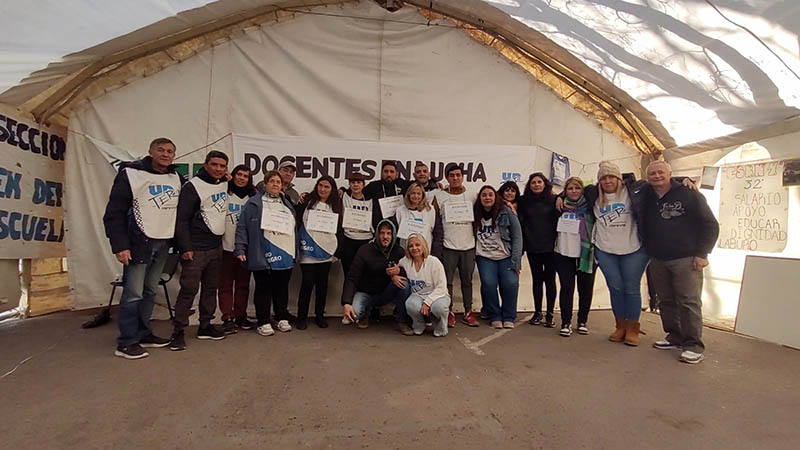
200,224
374,280
388,186
678,231
140,222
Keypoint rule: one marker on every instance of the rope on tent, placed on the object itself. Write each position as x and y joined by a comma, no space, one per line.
177,157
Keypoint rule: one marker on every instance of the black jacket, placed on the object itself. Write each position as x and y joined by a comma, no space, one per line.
678,225
368,269
118,221
538,217
191,231
378,189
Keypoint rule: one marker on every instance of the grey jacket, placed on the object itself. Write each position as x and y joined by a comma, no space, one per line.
250,239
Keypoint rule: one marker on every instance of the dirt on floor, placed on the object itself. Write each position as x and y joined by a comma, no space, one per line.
347,388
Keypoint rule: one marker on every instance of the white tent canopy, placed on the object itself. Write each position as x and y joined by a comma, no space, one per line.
689,70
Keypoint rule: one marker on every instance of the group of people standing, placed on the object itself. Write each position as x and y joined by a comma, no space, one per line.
401,242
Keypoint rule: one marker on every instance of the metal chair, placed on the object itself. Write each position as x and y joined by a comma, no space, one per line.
167,273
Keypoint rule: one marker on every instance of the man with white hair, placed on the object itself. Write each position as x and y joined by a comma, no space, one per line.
679,231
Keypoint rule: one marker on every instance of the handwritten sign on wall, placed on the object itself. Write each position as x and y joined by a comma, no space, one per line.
753,207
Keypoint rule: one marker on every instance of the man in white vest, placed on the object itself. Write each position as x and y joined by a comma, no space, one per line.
140,223
200,225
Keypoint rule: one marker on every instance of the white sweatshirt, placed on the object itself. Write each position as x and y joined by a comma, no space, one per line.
430,282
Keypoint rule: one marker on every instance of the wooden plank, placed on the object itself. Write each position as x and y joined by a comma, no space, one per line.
43,283
46,266
58,300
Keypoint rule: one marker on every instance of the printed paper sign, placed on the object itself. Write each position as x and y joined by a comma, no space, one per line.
280,222
568,223
458,212
356,219
389,205
322,221
410,226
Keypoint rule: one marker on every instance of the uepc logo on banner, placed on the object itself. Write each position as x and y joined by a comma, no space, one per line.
31,188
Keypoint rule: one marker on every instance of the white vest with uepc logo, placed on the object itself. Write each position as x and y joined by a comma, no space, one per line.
155,201
213,204
235,206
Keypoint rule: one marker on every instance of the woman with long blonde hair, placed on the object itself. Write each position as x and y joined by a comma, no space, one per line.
428,287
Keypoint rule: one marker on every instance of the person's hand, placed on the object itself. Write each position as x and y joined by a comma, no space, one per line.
242,258
303,196
227,176
425,310
699,263
350,313
690,184
399,281
124,257
512,206
559,203
392,271
187,256
341,192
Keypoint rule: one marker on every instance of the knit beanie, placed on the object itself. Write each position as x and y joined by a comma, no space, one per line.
608,168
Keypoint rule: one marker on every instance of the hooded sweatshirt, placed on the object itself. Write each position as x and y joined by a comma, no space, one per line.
368,269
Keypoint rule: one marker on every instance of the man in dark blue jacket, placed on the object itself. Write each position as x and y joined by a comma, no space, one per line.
140,222
678,231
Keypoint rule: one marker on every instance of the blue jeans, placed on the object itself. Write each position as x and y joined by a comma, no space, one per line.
439,310
364,302
623,275
500,274
139,285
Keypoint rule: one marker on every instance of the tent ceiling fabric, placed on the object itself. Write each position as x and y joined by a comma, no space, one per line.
671,72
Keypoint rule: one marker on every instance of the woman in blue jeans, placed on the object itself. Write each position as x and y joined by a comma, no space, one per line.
618,248
427,287
498,254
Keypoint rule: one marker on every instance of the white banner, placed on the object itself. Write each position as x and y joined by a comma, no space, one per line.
753,207
317,156
31,188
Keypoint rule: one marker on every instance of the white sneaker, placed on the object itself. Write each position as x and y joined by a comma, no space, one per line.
691,357
566,330
583,329
665,345
508,324
265,330
346,321
283,326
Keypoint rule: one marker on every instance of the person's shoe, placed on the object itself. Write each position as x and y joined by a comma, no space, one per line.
177,343
469,319
301,324
582,329
283,326
153,341
691,357
363,323
508,324
243,323
346,321
632,333
496,324
265,330
404,329
536,319
549,323
210,332
665,345
321,322
133,351
619,331
484,315
228,327
566,330
451,320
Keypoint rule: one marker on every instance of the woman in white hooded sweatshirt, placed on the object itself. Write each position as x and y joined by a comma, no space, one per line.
427,284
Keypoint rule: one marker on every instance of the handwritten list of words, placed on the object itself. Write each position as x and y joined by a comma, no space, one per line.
753,207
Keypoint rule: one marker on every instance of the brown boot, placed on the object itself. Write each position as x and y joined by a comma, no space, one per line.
619,333
632,333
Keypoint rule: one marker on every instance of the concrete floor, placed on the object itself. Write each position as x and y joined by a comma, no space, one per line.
349,388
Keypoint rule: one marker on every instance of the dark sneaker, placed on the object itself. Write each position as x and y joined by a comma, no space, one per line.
301,324
469,319
536,319
243,323
549,323
133,351
363,323
153,341
210,332
404,329
321,322
566,330
228,327
177,342
582,328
